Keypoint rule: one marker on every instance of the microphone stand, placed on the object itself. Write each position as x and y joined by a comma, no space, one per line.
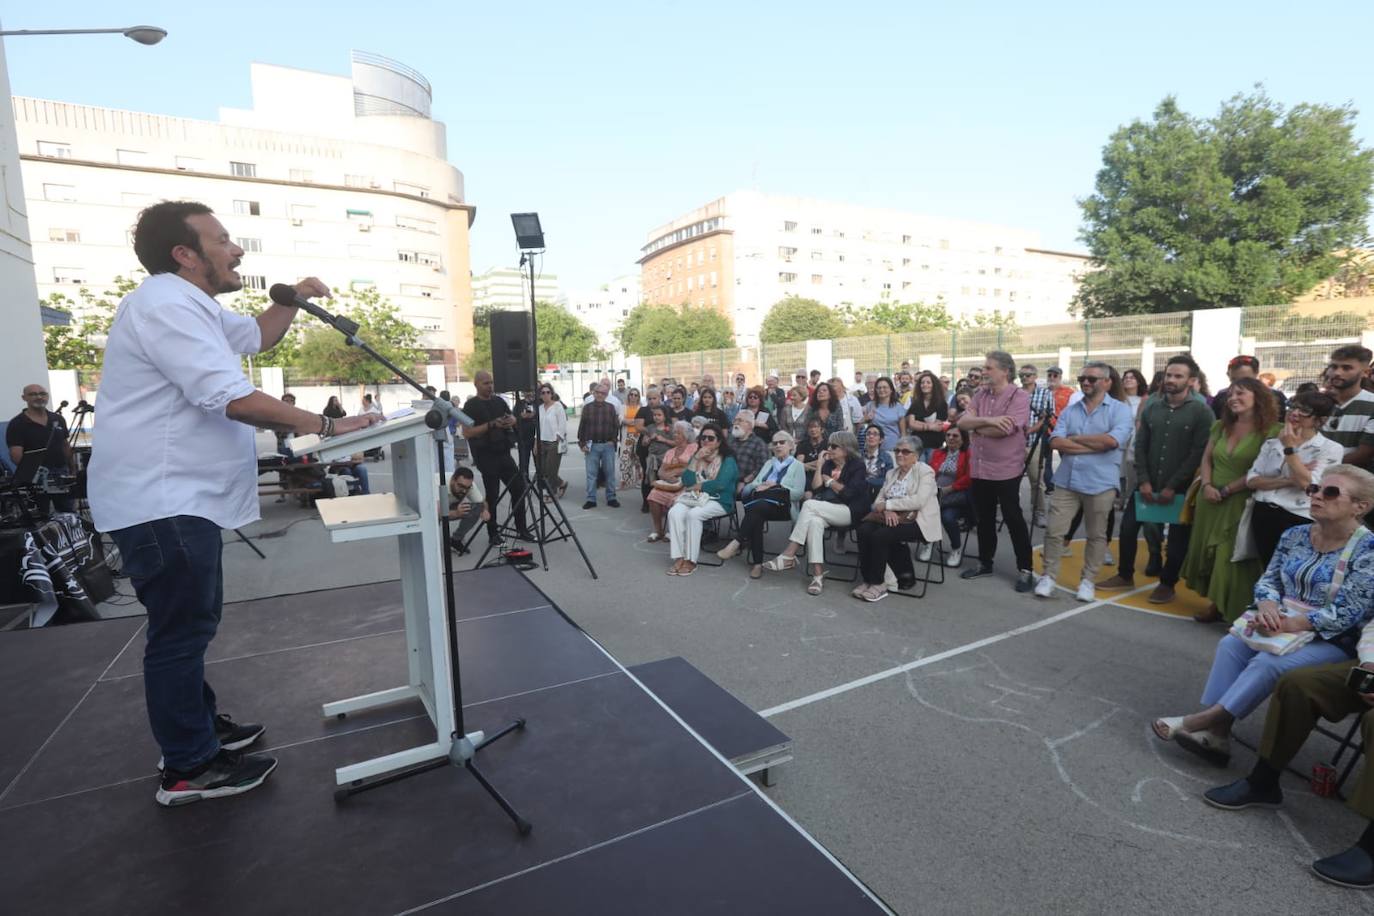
462,748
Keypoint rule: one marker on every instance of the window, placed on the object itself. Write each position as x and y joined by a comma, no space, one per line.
59,192
130,156
302,176
64,235
689,283
414,289
906,262
997,250
419,224
247,208
997,292
248,244
789,226
997,271
405,187
906,240
887,286
817,230
190,164
906,284
817,280
701,257
356,285
356,181
55,150
67,275
254,281
428,258
944,244
786,253
300,213
713,280
784,277
982,291
839,256
817,256
243,169
713,254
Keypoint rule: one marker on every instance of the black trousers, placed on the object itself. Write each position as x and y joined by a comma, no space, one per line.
498,469
881,546
1179,536
751,527
987,496
1268,523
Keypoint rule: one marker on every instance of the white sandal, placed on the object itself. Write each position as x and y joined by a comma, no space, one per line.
817,583
1173,726
781,563
654,537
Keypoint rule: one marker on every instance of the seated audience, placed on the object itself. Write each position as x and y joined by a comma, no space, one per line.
750,451
1286,464
877,460
794,413
952,477
765,421
772,496
708,492
812,449
838,498
1300,698
1320,581
668,483
905,509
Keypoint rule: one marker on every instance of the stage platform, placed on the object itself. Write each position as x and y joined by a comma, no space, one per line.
633,812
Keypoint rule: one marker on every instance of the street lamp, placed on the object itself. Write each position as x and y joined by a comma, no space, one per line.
143,34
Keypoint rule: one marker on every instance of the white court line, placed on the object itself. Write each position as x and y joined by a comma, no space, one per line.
937,657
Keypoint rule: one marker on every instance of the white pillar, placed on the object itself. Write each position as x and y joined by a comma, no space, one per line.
1215,339
818,355
930,362
434,375
1247,346
1147,358
273,380
1066,362
844,370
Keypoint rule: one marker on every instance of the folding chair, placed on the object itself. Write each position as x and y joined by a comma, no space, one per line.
1351,742
936,561
731,533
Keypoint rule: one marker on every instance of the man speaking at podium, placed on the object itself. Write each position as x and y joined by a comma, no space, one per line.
173,462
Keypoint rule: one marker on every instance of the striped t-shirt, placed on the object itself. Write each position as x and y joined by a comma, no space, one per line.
1352,423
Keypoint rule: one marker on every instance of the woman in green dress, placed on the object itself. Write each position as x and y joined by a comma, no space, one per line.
1249,417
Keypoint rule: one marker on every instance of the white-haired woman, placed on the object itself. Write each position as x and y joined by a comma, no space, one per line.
668,484
710,484
772,496
1320,580
838,498
904,510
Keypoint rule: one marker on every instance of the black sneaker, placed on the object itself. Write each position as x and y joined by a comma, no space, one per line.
589,504
613,503
976,572
235,737
1025,581
227,773
1240,794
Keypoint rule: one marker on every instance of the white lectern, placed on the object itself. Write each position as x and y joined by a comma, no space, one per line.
410,513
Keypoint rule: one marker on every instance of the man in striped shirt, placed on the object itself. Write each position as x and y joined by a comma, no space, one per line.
1352,423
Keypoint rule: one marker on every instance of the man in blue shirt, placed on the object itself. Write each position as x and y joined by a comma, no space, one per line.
1088,436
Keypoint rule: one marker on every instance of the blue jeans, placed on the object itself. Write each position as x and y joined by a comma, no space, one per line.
175,567
956,507
600,455
1241,677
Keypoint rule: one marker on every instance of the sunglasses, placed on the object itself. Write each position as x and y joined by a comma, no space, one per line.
1327,492
903,451
1090,378
707,439
1027,375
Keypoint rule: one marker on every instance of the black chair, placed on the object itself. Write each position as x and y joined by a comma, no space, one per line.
1351,742
713,525
936,562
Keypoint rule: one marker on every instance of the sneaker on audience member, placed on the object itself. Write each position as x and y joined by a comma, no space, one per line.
227,773
1108,559
1025,580
875,593
954,557
1086,591
1044,587
924,553
1038,520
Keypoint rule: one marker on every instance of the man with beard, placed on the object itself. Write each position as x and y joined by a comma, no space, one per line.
1352,423
175,463
1169,443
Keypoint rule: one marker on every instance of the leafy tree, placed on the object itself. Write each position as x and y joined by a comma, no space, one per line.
324,353
794,318
895,318
561,337
656,329
81,345
1250,207
287,350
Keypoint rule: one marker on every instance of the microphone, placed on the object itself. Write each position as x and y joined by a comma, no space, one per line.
282,294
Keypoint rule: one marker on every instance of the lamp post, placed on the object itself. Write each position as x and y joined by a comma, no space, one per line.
23,360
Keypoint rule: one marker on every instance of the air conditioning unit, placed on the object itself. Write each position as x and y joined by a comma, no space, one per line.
364,227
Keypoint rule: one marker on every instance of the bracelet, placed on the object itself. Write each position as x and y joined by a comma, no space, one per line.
326,426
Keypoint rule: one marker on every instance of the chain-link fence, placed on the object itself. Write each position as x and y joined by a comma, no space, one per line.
1296,346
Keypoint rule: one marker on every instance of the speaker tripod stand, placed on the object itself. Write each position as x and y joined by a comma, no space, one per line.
545,520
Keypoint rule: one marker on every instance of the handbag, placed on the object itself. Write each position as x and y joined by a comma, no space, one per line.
1185,514
880,517
693,499
1286,643
1245,548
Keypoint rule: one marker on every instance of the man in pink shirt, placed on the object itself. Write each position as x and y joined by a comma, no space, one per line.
996,422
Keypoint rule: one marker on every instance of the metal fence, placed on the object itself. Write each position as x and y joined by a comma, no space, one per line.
1294,342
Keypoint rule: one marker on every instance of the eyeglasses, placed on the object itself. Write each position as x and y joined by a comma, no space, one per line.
707,439
1327,492
1027,375
779,441
903,451
1299,412
1091,378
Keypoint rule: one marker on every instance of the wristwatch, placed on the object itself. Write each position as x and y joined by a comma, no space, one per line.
1289,450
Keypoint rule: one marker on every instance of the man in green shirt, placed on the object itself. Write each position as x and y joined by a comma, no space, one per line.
1169,444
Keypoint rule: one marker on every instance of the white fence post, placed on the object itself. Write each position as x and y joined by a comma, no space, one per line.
273,380
1147,358
818,354
1215,338
1065,362
930,362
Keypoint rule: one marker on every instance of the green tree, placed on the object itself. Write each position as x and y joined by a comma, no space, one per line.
895,318
81,345
669,330
252,302
561,337
794,318
625,334
324,353
1250,207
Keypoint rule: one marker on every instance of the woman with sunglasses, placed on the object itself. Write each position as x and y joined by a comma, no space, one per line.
954,482
765,423
1248,418
839,498
904,510
711,475
1286,465
553,439
1321,580
772,496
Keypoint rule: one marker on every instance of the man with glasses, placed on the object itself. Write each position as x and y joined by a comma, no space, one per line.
1170,439
1041,408
1089,436
996,421
741,388
1352,423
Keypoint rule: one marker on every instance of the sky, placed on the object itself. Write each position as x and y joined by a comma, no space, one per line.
612,118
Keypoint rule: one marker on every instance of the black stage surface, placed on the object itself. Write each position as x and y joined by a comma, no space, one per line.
633,813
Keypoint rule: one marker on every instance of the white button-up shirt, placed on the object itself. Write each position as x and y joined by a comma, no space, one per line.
162,444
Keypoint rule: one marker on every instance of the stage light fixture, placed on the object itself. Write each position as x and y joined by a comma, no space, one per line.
529,235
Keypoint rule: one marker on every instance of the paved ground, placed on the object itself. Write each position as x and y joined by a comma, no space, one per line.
1001,763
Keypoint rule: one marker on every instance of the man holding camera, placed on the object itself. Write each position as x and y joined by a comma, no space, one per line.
490,440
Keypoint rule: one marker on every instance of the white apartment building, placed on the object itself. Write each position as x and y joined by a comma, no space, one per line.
509,288
344,178
605,308
745,251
